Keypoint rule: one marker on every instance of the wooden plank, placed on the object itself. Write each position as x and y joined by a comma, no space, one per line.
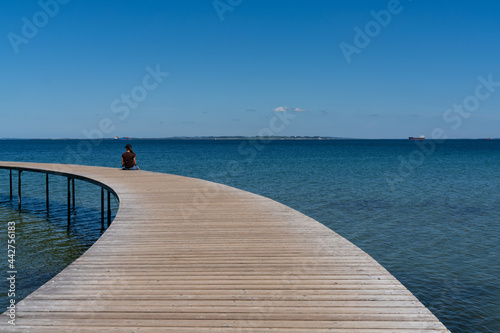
106,329
187,255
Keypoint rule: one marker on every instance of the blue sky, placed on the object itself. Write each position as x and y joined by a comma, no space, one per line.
359,69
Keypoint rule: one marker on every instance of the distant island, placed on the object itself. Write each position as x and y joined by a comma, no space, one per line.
198,138
208,138
245,138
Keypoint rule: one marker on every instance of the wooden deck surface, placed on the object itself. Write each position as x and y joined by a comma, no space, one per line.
187,255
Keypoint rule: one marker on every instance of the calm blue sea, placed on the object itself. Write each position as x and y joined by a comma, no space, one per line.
427,211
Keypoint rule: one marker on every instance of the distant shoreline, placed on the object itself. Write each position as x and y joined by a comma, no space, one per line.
207,138
235,138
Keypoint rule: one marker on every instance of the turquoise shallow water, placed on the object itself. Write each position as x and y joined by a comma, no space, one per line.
430,214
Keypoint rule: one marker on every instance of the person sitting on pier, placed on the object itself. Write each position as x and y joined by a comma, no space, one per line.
128,159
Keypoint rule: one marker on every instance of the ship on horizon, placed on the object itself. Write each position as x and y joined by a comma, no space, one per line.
422,137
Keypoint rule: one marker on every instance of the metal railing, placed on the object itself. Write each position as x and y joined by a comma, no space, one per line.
71,195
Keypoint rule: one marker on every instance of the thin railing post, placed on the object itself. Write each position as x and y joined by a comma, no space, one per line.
10,179
73,183
102,208
47,191
19,189
109,208
69,201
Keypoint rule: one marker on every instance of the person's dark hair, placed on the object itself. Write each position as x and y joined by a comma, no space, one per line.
129,147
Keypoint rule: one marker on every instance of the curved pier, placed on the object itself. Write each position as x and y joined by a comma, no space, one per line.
187,255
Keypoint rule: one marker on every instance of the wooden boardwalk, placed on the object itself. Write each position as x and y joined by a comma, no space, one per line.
187,255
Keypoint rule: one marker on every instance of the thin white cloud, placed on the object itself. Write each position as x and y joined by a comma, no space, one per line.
287,108
282,109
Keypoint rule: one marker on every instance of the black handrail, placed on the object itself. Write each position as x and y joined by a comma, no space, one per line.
71,189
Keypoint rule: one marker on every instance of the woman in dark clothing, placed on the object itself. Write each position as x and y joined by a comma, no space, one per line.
128,159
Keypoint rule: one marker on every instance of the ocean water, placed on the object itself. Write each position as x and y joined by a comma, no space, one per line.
428,211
